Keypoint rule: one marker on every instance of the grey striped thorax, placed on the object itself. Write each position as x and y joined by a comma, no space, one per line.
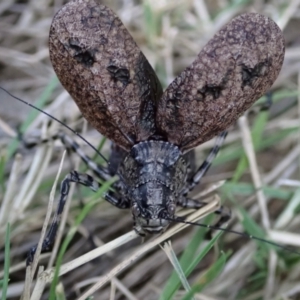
154,173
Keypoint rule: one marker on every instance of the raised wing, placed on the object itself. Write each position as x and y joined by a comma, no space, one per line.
100,65
232,71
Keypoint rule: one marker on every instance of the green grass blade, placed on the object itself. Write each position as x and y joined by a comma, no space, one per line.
279,95
208,276
251,227
247,189
185,259
152,21
174,283
235,152
202,253
177,267
60,293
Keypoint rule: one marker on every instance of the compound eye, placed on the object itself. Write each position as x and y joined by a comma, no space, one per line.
135,210
172,209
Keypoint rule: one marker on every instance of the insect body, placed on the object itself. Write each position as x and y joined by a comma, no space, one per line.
118,92
155,173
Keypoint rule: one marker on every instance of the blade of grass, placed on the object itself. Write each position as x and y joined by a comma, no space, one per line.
173,286
96,157
167,247
247,189
256,134
278,95
208,276
60,293
152,21
250,226
234,152
186,256
289,211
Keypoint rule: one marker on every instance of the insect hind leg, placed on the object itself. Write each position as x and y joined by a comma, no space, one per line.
83,179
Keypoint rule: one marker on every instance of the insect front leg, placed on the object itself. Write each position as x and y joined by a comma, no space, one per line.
87,181
100,171
224,212
70,144
225,215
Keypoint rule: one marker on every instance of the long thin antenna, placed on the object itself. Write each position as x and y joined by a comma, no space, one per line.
242,234
57,120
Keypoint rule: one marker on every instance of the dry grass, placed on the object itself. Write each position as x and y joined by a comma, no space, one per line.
264,196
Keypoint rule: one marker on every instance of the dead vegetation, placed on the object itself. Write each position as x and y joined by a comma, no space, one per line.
262,171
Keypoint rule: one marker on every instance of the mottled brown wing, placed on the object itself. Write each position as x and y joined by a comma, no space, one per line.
100,65
232,71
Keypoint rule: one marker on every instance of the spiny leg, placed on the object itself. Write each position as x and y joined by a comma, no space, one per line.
206,164
100,171
224,212
116,157
85,180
